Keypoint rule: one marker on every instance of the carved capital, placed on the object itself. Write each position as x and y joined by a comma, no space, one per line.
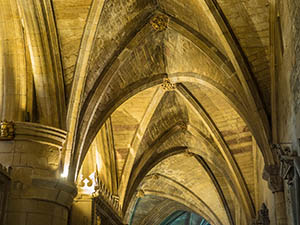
159,22
271,174
7,130
288,159
167,85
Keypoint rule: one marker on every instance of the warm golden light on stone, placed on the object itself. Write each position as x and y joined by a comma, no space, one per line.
6,130
159,22
167,85
126,111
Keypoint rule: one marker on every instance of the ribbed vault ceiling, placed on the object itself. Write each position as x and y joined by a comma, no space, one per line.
190,147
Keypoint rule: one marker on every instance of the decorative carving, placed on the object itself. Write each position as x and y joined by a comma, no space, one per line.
288,162
101,191
88,185
188,153
106,213
155,176
263,216
7,130
95,187
167,85
140,194
271,174
159,22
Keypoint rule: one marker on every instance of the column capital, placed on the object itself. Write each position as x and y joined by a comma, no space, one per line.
159,22
271,174
39,133
289,161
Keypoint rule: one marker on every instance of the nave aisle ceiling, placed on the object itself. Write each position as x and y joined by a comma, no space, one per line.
199,86
219,70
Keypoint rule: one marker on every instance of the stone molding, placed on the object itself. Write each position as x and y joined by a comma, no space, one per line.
40,134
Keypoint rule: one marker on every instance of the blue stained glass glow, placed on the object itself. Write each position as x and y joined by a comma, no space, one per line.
184,218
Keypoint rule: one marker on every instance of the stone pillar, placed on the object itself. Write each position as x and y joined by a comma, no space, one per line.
280,207
83,211
4,186
38,195
297,198
275,182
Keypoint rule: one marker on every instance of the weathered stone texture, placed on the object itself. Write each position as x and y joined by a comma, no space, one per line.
71,17
36,194
126,120
289,73
119,21
183,56
174,173
33,212
192,14
249,21
173,112
13,78
163,120
288,85
232,127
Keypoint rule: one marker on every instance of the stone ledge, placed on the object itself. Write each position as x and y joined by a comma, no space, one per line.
39,133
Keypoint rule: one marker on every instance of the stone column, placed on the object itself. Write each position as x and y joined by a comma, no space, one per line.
275,182
83,211
38,195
